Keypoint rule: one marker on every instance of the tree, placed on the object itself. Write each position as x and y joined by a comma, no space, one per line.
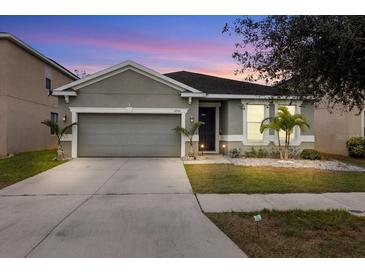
189,133
58,132
285,121
318,56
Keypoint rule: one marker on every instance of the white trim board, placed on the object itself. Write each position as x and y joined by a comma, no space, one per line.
242,96
127,65
129,110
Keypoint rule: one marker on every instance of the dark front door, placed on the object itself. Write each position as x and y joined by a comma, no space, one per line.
207,131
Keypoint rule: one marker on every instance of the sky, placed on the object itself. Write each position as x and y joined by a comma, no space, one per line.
163,43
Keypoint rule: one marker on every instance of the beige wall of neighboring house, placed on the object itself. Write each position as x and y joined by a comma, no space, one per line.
24,100
334,128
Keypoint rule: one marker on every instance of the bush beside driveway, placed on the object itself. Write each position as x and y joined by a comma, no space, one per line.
26,164
227,178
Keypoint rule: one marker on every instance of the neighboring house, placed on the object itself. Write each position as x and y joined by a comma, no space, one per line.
130,110
26,79
334,128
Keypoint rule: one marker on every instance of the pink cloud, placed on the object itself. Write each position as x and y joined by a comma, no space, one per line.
141,44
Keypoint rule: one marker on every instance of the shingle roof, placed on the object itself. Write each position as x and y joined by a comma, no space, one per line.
216,85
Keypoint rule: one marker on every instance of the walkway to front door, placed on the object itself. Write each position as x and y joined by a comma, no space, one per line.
108,208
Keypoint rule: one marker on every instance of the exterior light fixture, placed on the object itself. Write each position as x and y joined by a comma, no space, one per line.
224,149
191,119
64,118
202,148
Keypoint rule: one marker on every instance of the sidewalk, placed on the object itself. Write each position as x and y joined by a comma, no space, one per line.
256,202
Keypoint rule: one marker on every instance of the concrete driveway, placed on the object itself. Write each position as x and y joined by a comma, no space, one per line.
108,208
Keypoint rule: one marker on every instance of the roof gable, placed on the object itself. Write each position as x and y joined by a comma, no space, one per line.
124,66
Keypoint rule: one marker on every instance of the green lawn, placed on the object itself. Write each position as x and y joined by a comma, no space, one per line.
24,165
295,233
226,178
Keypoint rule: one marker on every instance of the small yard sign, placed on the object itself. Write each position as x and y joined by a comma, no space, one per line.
257,218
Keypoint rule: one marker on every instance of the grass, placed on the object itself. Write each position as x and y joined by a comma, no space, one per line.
295,233
227,178
26,164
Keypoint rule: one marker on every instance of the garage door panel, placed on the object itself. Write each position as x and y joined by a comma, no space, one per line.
125,129
131,151
127,139
128,135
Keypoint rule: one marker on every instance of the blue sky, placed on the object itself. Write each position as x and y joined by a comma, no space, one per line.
164,43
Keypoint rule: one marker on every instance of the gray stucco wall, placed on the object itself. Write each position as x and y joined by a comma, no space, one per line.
231,117
308,112
129,88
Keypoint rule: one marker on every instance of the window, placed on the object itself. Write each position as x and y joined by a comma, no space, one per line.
48,84
54,118
282,132
255,115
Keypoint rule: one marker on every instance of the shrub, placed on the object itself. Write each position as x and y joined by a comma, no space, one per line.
294,152
235,153
262,153
274,153
252,153
310,154
356,147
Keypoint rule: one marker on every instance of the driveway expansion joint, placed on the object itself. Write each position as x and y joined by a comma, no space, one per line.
71,212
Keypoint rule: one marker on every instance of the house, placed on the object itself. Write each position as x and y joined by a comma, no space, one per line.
129,110
26,79
334,127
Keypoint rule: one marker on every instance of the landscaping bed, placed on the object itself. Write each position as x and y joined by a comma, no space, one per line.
295,163
26,164
228,178
295,233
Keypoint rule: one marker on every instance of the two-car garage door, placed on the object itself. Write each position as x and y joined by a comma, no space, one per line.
128,135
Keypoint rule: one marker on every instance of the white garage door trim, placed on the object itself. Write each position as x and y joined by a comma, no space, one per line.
76,110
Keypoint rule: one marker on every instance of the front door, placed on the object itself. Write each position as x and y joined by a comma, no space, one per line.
207,131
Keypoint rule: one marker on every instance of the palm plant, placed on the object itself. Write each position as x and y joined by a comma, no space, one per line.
58,132
189,133
286,122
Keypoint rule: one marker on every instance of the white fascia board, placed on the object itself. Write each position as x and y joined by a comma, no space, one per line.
64,93
118,68
38,54
129,110
239,96
194,95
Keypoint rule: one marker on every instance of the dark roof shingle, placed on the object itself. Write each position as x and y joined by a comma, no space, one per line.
216,85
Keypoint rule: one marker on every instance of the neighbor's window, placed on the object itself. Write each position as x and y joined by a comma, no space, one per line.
54,118
282,132
48,84
255,115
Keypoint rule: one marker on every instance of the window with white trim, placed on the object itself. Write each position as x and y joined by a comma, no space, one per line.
255,115
282,132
